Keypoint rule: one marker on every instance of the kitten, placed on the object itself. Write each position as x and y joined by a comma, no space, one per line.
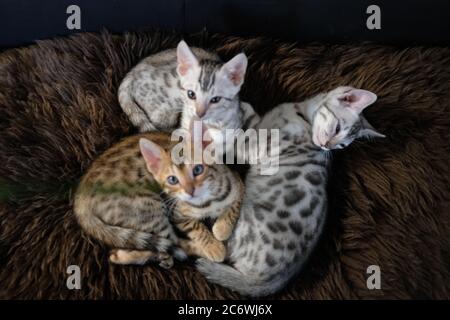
119,202
282,215
211,192
122,201
191,83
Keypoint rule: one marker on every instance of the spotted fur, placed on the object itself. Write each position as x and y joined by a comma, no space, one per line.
123,201
272,240
156,96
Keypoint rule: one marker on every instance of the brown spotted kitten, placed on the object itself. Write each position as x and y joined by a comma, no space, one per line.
124,198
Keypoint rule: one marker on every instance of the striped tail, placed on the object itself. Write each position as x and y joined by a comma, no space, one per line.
121,237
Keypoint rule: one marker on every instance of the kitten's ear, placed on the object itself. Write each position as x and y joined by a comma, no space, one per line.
186,60
153,155
367,131
357,99
234,70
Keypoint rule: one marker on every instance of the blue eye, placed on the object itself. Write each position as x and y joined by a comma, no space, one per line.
215,99
191,95
172,180
198,170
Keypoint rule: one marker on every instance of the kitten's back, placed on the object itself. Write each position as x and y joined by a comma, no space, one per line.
118,201
168,58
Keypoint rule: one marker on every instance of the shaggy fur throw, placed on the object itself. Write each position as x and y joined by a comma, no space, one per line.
389,199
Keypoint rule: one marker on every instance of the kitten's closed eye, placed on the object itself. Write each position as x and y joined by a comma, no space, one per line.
338,129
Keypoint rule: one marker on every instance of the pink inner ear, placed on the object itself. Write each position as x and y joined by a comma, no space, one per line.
235,76
357,99
185,58
235,69
183,69
152,155
153,163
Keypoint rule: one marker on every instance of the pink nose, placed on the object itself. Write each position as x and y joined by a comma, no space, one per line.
200,111
200,114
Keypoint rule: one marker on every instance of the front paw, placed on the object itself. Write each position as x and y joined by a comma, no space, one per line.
114,256
221,230
120,256
215,252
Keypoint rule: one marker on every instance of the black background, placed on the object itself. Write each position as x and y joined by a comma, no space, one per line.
403,22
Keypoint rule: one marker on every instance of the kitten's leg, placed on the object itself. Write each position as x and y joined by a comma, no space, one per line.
224,225
123,256
202,242
140,257
190,247
137,114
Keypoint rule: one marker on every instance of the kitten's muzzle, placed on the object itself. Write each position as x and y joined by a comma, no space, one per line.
189,191
200,110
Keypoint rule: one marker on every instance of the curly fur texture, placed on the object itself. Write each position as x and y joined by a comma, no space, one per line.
390,200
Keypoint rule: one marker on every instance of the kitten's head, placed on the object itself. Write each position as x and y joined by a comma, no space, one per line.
209,84
339,120
190,181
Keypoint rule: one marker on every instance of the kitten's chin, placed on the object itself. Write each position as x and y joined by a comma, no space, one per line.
194,200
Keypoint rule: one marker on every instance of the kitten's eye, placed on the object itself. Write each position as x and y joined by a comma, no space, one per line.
172,180
215,99
198,170
191,95
338,129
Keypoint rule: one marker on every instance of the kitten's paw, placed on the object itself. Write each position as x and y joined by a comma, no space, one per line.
165,260
119,256
123,256
221,230
114,257
215,252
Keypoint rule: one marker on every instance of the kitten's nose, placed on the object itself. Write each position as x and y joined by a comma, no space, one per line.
200,111
190,190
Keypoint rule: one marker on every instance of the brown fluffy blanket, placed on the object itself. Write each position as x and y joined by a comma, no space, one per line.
389,198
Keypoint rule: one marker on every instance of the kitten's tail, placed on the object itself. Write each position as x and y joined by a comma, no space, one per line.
135,113
122,237
245,284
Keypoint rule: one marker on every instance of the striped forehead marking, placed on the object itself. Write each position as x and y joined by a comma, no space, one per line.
207,74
